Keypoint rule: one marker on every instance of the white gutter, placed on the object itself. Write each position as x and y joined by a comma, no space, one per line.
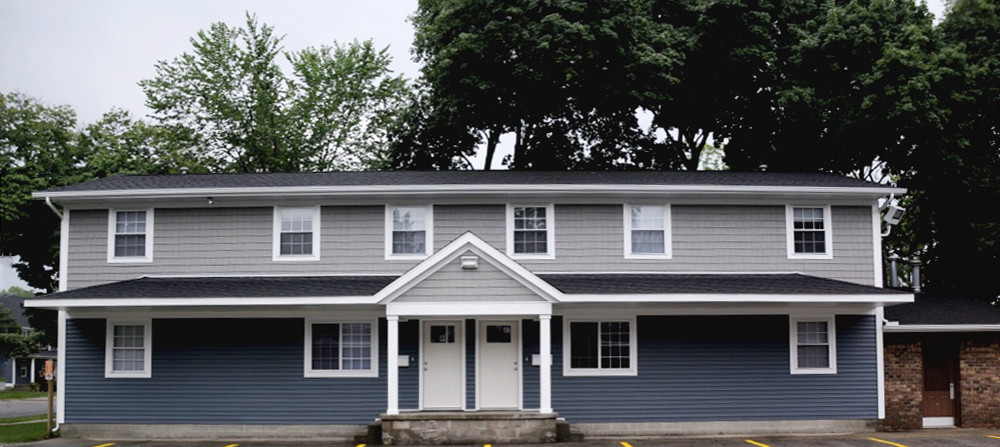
894,326
461,190
48,201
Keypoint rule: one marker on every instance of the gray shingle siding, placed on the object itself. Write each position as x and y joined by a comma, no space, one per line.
218,371
589,238
723,368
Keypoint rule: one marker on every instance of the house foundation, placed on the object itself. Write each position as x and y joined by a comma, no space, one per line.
437,428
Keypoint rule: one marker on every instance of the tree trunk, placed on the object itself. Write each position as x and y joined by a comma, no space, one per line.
491,147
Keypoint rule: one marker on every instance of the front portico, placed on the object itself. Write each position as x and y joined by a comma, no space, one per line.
470,301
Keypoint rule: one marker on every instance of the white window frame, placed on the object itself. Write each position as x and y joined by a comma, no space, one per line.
632,370
113,220
147,340
667,236
308,370
550,229
276,233
793,343
790,232
428,233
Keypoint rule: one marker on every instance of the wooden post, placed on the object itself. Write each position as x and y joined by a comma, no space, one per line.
48,420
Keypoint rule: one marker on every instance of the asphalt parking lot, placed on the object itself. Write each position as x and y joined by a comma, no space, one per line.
926,438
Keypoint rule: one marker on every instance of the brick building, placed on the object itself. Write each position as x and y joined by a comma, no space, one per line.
942,363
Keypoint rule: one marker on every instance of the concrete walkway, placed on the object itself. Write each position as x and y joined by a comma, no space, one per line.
23,407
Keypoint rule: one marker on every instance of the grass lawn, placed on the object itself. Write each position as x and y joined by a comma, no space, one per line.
9,395
40,417
22,432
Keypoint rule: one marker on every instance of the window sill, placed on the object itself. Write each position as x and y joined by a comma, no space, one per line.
406,257
128,375
568,372
651,256
309,374
127,260
813,371
288,258
811,256
529,256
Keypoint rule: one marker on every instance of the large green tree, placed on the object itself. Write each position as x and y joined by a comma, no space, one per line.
955,182
230,95
558,76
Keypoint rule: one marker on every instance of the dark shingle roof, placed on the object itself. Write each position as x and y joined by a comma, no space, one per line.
321,286
397,178
233,287
791,284
928,308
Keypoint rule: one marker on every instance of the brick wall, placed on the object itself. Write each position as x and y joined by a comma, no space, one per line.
904,383
979,363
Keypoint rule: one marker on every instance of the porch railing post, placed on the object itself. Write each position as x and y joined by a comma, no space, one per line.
545,369
392,364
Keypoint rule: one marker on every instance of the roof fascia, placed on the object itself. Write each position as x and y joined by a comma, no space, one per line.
67,303
467,242
464,190
878,299
908,328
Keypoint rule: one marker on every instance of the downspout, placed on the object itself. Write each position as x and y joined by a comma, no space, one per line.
52,206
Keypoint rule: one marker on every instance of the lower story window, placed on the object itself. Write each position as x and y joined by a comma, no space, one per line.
813,348
600,348
128,351
341,348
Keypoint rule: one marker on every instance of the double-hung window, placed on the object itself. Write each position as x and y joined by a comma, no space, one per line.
341,348
813,345
530,232
605,347
128,349
647,231
409,231
130,235
296,233
808,232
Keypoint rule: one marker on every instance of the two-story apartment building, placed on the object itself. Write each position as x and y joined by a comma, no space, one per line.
283,303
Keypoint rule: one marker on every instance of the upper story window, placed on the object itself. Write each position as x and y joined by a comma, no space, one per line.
296,233
341,349
813,347
128,349
530,232
647,231
130,235
809,232
599,347
409,231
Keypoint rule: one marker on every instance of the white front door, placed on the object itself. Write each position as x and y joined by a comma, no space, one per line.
443,369
499,382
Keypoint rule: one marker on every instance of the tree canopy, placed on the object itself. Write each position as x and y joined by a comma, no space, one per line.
234,102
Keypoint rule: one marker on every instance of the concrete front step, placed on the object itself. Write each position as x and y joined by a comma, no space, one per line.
442,427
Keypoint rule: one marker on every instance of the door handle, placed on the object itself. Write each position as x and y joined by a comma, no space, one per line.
951,390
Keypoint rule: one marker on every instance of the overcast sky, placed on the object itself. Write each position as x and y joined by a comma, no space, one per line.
89,54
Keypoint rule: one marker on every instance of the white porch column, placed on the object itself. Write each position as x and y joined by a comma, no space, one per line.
545,370
392,366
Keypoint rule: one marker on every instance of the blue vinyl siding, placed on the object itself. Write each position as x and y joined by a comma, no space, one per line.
529,377
409,377
723,368
470,364
217,371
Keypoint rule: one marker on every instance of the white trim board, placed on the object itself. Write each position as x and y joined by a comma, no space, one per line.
467,190
941,327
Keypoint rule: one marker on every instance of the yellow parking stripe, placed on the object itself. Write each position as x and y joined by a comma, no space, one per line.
625,444
359,445
886,442
235,445
994,437
487,445
105,445
751,441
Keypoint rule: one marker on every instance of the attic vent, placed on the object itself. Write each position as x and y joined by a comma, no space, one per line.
470,262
